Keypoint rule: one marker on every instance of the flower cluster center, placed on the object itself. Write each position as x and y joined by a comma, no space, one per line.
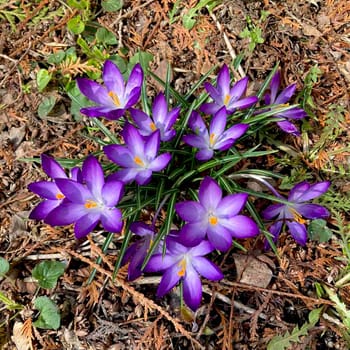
153,126
212,139
297,217
115,98
213,220
89,204
227,99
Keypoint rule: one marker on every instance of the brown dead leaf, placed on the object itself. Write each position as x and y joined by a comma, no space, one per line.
21,337
310,30
252,271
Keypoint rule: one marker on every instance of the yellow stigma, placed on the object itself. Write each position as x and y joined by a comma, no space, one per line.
182,265
227,99
138,161
153,126
115,98
59,196
211,138
89,204
213,220
297,217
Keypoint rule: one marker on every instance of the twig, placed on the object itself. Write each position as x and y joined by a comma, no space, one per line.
229,46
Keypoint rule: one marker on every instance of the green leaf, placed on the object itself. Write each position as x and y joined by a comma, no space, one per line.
80,5
47,273
142,57
10,305
4,266
46,106
106,37
76,25
112,5
49,317
78,100
56,58
43,78
318,231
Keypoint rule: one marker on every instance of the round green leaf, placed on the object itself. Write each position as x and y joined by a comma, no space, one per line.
43,78
4,266
76,25
47,273
49,317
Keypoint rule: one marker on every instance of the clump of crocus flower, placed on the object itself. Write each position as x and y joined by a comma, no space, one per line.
88,203
186,264
115,97
217,138
138,157
86,198
223,95
273,98
293,213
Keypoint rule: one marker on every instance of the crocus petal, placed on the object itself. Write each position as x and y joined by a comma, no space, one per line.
135,79
93,175
238,89
171,117
160,109
210,108
207,269
204,154
297,191
94,91
312,211
76,175
192,234
125,175
111,220
52,168
212,91
203,248
99,111
313,191
275,230
134,96
241,226
45,189
220,237
192,289
134,270
274,86
113,79
243,103
114,114
190,211
224,144
142,120
141,229
285,95
158,262
218,123
152,144
210,193
294,113
119,154
74,191
112,192
169,279
43,209
236,131
298,231
65,214
231,205
160,162
86,224
288,127
223,81
272,211
133,140
196,123
143,177
195,141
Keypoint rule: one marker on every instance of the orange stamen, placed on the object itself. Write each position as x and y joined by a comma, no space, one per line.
227,99
153,126
138,161
89,204
213,220
59,196
182,264
297,217
211,139
115,98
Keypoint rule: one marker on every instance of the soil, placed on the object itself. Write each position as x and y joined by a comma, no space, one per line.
121,315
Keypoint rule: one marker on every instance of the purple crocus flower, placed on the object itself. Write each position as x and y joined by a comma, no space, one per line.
137,251
87,204
161,120
186,264
48,189
217,138
226,96
292,213
138,156
281,99
214,217
115,97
